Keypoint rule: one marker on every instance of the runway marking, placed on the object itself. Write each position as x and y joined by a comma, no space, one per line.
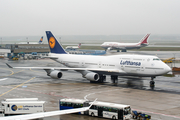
17,86
92,94
3,79
35,71
39,92
85,97
12,72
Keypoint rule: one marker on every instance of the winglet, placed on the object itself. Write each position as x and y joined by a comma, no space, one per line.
92,103
9,65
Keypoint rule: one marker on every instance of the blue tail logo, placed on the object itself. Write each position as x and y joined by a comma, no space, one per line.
40,41
54,45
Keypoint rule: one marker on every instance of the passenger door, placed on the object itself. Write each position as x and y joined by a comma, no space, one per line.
99,64
120,114
100,111
142,64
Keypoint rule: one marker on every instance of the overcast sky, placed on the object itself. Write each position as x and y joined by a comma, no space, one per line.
89,17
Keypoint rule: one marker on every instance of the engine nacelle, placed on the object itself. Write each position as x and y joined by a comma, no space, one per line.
92,76
55,74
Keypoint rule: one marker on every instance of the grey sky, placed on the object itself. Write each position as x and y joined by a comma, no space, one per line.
89,17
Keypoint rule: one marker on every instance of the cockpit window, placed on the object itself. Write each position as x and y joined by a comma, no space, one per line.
156,59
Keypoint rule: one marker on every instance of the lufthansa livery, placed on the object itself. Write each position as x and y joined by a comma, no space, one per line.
40,42
95,68
124,46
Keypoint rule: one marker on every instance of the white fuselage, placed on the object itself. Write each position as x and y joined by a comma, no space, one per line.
117,45
135,65
72,47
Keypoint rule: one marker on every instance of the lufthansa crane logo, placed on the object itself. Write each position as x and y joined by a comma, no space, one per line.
52,42
14,107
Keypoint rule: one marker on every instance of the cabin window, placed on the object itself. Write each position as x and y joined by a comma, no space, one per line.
138,59
90,63
156,59
111,65
126,58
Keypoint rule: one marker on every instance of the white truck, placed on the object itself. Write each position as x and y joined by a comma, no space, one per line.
21,106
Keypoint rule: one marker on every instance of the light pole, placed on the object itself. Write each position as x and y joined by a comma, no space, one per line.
174,59
27,40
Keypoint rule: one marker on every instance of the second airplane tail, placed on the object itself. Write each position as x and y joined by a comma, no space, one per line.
54,45
79,45
41,40
145,39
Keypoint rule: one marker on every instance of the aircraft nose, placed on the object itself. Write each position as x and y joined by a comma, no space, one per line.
167,69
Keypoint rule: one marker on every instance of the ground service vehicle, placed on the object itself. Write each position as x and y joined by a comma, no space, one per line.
99,109
21,106
140,116
169,60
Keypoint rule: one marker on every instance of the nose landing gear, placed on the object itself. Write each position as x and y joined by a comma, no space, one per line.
152,83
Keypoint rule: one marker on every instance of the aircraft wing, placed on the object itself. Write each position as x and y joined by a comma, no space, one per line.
46,114
97,70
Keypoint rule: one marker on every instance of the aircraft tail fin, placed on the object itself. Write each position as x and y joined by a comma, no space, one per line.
41,40
79,45
54,45
145,39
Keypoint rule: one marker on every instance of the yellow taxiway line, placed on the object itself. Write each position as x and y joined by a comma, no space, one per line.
17,86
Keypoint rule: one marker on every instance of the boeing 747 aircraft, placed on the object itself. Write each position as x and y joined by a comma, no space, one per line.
95,68
40,42
74,47
124,46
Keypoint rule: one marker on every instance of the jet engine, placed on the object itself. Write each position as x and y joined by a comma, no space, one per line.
55,74
92,76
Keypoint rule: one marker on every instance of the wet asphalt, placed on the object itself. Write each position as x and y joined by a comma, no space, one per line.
162,101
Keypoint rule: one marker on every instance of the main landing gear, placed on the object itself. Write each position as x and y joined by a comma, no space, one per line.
114,78
124,50
152,83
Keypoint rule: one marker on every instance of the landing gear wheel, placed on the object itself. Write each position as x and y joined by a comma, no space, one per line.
152,83
123,50
114,78
102,79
